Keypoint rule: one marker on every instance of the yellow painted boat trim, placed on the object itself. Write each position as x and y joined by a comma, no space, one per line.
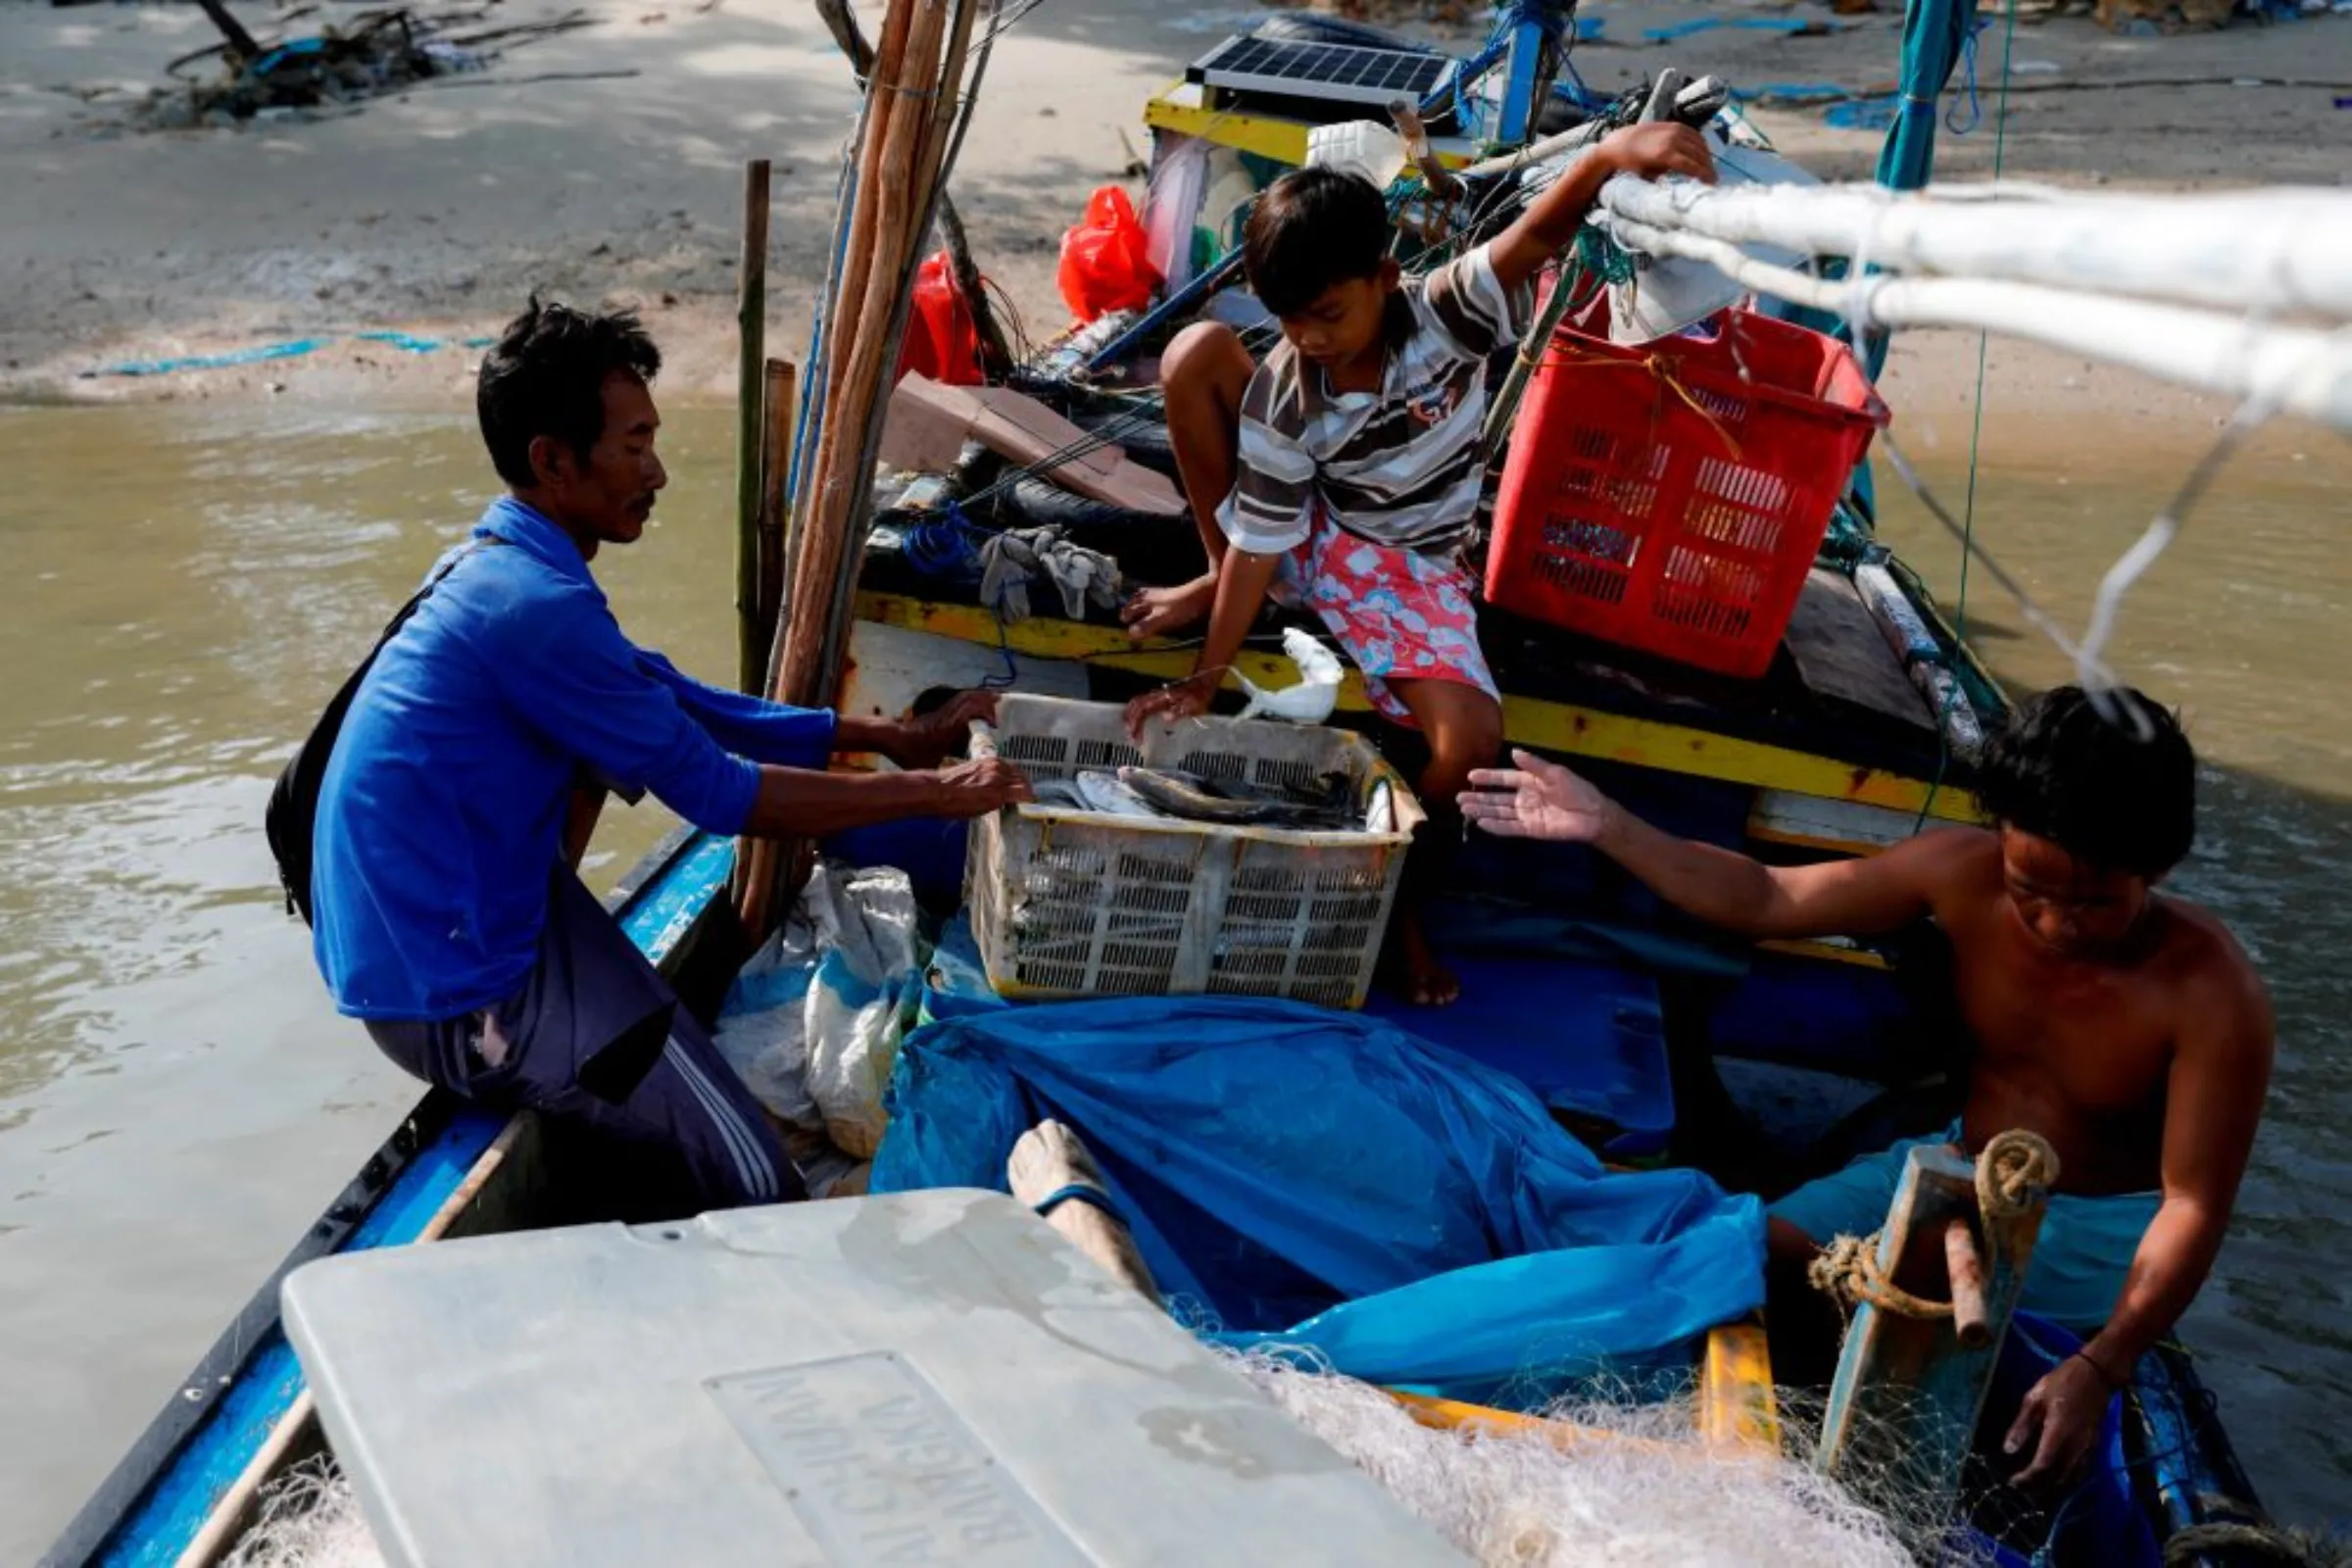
1737,1406
1267,135
1564,728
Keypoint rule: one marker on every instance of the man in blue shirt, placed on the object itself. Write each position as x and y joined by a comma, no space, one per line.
478,751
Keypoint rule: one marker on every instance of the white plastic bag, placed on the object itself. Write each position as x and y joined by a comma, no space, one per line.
813,1021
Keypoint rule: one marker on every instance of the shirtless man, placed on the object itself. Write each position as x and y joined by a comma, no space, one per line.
2125,1026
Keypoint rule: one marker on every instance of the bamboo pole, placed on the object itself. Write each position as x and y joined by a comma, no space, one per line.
849,287
843,445
775,534
751,334
995,353
898,149
948,126
776,510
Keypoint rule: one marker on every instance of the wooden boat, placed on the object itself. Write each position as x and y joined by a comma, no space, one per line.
1787,1060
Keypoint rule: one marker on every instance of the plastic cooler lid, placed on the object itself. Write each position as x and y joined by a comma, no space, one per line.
925,1378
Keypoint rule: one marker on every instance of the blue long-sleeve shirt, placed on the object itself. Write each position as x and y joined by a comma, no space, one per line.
441,815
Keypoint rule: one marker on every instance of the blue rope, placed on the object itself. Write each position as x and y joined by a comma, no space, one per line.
947,544
943,544
1952,121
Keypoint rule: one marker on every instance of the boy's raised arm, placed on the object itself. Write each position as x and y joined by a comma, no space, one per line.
1548,226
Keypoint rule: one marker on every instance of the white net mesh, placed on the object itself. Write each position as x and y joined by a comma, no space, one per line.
1641,1492
309,1519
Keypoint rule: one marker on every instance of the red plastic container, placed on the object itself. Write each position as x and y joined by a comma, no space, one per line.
1671,497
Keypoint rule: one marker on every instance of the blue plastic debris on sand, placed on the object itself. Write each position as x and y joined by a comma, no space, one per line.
1788,24
1585,1038
1326,1182
1863,114
215,362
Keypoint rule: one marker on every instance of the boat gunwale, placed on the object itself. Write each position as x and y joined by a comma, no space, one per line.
106,1526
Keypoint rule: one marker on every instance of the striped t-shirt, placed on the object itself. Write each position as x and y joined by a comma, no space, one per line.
1399,466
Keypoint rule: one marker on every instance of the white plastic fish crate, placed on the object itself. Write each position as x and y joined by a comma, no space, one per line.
1071,904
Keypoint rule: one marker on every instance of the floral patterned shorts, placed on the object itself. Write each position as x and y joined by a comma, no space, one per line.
1401,615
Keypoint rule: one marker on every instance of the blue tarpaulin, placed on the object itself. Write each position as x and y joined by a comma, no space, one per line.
1327,1181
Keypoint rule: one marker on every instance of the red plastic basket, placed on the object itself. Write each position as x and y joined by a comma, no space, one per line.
1671,497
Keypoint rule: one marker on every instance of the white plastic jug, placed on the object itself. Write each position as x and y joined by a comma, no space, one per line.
1364,146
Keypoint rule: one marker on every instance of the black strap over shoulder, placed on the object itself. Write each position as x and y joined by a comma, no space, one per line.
292,815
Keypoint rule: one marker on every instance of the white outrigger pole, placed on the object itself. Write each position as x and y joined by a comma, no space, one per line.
2187,290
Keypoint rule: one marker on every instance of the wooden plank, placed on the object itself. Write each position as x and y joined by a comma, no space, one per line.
751,352
1842,656
1904,1405
1738,1408
1566,729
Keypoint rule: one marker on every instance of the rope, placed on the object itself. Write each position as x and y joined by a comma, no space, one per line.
1975,429
2014,1170
2185,1546
943,544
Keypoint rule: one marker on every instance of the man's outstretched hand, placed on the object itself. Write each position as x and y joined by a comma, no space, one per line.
1536,800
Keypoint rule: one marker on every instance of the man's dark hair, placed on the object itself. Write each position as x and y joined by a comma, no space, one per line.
1313,228
547,377
2090,785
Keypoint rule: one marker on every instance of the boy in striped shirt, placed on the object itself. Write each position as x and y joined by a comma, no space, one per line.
1344,472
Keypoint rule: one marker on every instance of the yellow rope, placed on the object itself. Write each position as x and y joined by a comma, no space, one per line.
2013,1172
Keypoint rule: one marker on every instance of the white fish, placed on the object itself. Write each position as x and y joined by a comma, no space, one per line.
1382,817
1318,693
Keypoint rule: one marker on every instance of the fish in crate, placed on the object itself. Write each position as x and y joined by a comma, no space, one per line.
1221,855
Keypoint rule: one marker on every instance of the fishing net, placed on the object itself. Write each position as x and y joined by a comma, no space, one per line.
308,1518
1635,1488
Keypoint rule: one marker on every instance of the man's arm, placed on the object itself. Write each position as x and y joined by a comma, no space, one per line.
2213,1102
1885,892
924,742
1549,226
798,803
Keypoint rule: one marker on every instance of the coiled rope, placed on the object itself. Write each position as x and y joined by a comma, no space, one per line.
2013,1172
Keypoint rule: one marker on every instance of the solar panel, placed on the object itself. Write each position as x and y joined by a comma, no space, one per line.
1348,73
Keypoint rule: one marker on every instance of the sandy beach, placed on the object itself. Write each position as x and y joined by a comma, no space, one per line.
604,163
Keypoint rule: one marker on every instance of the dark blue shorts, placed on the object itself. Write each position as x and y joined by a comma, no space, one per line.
595,1036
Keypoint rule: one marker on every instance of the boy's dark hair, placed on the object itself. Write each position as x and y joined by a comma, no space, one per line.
2091,786
1313,228
547,377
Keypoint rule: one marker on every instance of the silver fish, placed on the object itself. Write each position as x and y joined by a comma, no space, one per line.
1102,791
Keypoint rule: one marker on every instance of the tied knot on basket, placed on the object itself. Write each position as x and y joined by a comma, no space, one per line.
2013,1172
